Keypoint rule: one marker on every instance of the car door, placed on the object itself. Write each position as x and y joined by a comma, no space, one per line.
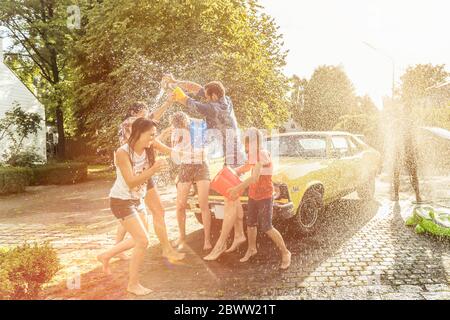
343,163
369,160
356,162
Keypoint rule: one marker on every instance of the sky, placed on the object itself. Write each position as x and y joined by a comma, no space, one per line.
333,32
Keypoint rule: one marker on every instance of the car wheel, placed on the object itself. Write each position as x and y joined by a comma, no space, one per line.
309,212
367,190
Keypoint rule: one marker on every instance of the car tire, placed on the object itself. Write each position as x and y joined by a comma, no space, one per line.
367,190
309,212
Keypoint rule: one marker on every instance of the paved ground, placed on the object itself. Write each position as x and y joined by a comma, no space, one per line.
362,251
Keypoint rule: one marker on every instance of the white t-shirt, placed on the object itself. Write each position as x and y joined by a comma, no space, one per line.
120,189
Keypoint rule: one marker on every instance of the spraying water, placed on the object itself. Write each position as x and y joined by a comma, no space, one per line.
164,88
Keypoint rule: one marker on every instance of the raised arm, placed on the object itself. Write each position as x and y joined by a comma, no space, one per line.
188,86
158,113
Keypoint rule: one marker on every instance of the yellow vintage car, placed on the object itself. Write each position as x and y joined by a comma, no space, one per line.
311,170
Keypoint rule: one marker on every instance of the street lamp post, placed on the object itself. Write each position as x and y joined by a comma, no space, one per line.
392,61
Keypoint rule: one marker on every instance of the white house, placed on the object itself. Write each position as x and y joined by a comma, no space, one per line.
12,92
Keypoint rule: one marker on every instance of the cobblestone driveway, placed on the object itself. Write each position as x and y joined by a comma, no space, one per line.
362,251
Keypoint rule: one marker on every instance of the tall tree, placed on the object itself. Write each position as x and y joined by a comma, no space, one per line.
417,79
328,96
41,41
128,45
365,105
298,87
420,95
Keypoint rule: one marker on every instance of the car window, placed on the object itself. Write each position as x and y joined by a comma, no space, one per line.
340,146
361,143
299,146
355,145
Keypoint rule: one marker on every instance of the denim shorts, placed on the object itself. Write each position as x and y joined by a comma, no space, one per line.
193,173
259,213
124,209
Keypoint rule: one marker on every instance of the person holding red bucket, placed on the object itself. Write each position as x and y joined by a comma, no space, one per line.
260,196
219,114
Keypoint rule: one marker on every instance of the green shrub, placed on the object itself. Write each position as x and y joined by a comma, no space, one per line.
25,269
59,173
14,179
24,158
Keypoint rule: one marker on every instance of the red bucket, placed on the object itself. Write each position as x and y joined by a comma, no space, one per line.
224,180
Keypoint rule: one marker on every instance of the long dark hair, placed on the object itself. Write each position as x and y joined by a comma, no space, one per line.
138,127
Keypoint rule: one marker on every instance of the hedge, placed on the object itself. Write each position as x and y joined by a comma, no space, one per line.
14,180
25,269
59,173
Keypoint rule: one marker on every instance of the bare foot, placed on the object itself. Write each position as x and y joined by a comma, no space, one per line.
236,243
248,255
178,244
207,246
173,255
139,290
285,260
123,256
105,263
216,253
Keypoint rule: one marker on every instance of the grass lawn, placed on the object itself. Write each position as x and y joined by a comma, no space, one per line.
101,172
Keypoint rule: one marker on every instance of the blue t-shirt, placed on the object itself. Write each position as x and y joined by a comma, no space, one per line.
220,115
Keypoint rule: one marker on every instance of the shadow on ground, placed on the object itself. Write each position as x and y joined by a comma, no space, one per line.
194,278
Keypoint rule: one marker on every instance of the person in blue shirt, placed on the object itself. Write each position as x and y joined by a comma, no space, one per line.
216,107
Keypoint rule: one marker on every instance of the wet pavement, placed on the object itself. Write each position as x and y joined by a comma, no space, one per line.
361,251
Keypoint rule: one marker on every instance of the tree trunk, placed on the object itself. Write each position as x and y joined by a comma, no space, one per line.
61,151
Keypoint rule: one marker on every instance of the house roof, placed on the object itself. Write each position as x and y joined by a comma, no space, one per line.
2,61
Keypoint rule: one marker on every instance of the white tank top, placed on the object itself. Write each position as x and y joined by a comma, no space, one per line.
120,189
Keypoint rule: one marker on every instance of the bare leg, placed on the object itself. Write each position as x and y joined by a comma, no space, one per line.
137,257
285,253
252,232
396,182
203,193
227,225
182,195
153,202
121,232
412,168
139,242
239,236
116,250
121,246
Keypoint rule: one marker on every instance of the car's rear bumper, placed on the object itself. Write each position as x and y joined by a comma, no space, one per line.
281,210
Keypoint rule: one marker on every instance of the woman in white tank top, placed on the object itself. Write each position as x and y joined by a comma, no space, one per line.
120,189
133,172
151,200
